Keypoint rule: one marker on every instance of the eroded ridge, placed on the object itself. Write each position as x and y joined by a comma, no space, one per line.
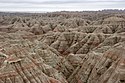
62,47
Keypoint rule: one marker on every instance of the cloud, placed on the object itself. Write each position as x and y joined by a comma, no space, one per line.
57,1
59,5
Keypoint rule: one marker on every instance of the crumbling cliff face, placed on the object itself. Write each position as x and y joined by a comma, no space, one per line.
62,47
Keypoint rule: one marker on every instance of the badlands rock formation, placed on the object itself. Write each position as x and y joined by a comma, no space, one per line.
62,47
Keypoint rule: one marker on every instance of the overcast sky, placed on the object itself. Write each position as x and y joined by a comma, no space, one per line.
59,5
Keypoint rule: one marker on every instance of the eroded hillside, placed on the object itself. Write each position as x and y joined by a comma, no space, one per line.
62,47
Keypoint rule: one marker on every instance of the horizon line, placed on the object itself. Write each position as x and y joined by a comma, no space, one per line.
14,11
